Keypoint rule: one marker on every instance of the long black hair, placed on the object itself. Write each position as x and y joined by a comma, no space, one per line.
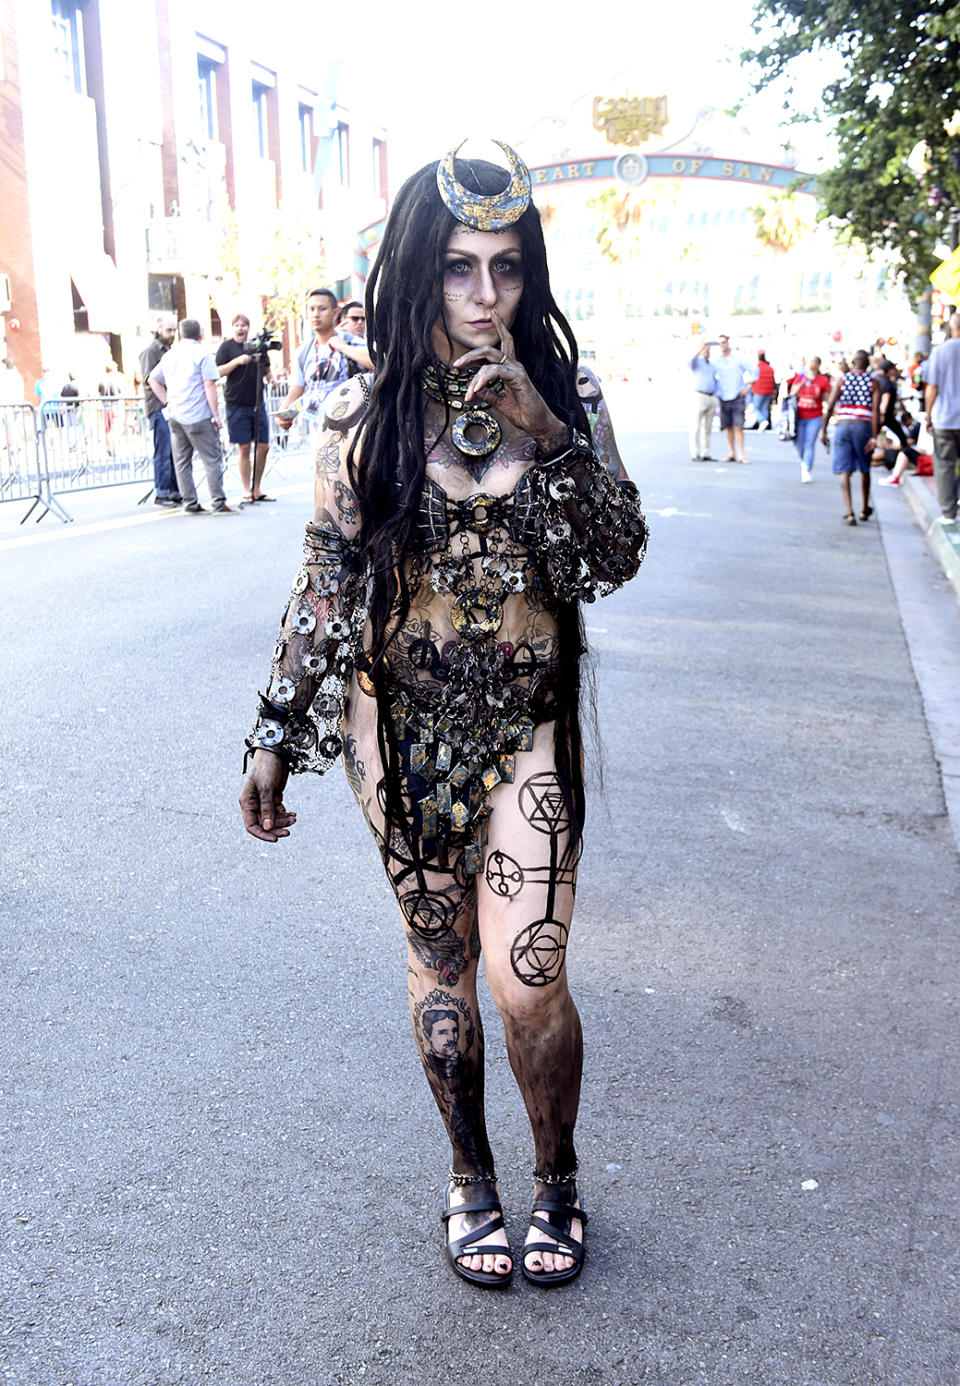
404,301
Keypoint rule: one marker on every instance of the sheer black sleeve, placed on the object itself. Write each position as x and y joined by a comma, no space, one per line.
581,512
322,628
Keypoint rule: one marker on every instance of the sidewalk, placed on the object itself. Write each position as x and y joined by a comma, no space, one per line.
921,496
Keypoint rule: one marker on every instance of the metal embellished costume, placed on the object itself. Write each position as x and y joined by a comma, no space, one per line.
475,666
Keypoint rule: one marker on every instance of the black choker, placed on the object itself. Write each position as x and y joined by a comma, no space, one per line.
447,385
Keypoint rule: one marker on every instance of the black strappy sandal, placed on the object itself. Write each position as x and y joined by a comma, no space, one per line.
469,1244
866,512
563,1245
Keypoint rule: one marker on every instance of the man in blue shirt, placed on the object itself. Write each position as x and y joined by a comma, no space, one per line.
705,406
734,377
941,378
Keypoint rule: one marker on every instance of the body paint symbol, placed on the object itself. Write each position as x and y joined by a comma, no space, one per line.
538,952
543,805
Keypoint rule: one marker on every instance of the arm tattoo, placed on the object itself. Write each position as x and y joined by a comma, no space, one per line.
346,503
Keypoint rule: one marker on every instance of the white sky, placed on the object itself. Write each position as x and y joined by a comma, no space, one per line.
436,72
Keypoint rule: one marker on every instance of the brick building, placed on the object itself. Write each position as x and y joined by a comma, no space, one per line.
169,154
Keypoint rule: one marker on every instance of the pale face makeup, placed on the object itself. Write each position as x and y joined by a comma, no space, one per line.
482,272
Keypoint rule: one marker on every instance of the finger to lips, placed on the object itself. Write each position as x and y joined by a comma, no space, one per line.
506,340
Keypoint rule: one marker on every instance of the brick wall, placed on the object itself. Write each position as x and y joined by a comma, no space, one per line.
16,241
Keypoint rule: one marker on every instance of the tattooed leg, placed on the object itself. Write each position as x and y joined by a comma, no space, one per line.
440,918
438,907
525,909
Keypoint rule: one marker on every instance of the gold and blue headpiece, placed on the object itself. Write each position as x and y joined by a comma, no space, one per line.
485,213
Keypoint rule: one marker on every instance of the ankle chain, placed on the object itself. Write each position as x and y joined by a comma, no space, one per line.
557,1178
460,1181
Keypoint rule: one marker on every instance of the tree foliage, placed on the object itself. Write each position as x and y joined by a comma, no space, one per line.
779,220
899,87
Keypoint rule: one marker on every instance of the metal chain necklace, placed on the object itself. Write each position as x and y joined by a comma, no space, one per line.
447,385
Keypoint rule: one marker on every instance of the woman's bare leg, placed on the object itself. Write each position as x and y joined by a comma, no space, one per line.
438,906
525,907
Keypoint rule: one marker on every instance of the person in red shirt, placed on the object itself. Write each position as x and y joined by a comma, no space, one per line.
762,391
811,388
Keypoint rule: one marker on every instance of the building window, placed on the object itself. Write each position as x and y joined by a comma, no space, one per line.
306,137
343,153
68,42
81,322
207,78
380,168
261,138
165,294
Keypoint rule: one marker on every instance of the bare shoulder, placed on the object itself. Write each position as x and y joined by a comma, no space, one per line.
588,387
598,415
345,406
335,500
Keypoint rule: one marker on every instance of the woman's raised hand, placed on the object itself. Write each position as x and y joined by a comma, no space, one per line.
520,403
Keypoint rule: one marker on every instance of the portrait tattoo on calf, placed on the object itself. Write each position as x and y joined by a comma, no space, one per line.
444,1028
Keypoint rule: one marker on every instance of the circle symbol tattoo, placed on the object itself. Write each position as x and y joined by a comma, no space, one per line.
538,952
543,804
428,913
504,875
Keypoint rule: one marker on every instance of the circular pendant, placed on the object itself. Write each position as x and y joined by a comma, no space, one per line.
476,614
482,512
481,419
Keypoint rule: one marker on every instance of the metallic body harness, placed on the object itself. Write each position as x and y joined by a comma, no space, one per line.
461,705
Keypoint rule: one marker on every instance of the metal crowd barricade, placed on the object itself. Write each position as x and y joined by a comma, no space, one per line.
21,476
297,438
91,443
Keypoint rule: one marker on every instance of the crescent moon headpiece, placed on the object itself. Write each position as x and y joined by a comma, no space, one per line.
478,211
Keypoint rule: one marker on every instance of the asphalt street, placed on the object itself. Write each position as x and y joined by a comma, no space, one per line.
220,1160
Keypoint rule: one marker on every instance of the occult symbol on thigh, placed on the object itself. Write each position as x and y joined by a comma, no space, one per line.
538,952
506,877
543,804
428,913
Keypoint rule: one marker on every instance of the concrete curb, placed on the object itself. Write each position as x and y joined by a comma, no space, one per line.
944,544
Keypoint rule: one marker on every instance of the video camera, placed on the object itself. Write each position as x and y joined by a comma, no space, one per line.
261,344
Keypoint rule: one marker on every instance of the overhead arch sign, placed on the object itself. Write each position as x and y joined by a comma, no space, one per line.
634,169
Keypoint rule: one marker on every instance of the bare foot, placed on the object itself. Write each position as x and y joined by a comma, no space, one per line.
498,1261
568,1230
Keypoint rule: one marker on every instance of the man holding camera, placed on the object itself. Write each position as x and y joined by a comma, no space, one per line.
239,370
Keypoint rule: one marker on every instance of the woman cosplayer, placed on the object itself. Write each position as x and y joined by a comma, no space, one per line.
469,496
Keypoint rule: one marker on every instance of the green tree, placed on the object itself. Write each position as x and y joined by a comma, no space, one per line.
293,262
780,224
899,89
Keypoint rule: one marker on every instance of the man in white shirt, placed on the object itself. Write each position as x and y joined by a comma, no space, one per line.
941,378
734,377
185,381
